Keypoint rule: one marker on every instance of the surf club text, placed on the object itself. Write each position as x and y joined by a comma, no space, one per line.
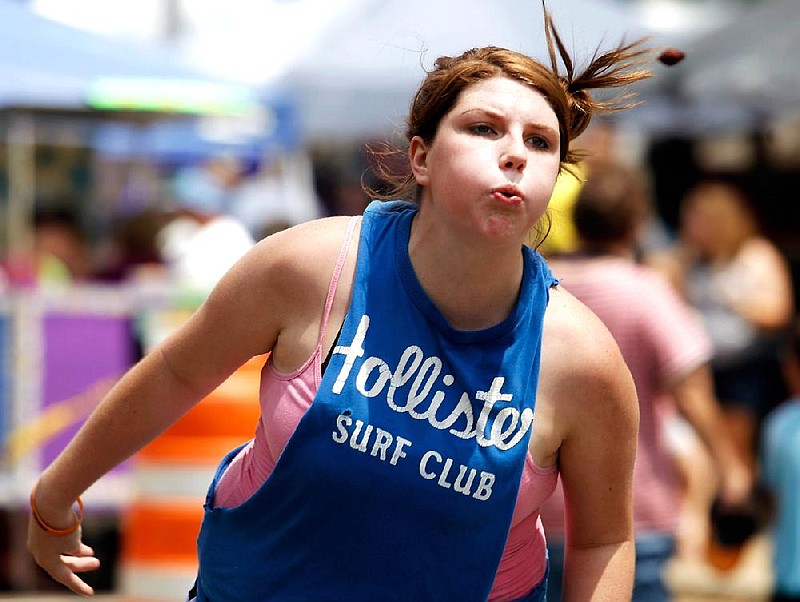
502,428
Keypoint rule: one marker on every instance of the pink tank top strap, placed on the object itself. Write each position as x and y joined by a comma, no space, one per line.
337,272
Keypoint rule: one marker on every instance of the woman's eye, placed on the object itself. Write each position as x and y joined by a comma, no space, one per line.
538,142
481,128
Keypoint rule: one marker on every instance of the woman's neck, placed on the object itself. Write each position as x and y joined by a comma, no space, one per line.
474,287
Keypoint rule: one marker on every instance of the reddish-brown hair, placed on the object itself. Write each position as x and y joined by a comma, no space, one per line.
567,93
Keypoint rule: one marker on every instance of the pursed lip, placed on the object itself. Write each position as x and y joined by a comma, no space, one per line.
508,194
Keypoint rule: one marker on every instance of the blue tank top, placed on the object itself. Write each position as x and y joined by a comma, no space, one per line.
400,481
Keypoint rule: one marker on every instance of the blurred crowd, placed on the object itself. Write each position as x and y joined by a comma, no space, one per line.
203,216
704,314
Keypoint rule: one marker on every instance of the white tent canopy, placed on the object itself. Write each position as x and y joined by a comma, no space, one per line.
740,76
359,80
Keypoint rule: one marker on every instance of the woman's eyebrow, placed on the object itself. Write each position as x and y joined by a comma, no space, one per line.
495,114
483,111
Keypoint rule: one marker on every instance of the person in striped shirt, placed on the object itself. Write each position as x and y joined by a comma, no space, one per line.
667,351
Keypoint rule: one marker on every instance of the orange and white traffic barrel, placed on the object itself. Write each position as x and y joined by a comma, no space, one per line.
170,478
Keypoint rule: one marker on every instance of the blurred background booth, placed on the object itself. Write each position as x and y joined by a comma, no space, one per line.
94,134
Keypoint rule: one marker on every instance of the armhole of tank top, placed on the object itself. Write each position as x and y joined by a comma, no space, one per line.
334,283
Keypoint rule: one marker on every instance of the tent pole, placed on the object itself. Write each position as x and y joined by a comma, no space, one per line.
21,184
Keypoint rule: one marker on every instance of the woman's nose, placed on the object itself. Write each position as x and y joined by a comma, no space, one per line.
514,155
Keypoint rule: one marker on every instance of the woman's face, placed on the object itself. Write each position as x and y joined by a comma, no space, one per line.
713,221
492,166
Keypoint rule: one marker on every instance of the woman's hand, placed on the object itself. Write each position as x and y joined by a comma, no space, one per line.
62,556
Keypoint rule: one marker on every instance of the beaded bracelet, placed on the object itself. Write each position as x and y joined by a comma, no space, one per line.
51,530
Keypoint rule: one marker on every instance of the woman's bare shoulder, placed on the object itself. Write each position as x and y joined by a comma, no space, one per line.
296,260
574,338
302,248
582,367
280,285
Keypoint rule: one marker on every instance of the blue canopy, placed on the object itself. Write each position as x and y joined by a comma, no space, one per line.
270,130
46,65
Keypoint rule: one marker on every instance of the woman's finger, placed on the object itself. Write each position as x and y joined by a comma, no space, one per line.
64,575
80,564
83,550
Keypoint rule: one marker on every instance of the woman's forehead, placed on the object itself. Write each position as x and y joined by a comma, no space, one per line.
506,95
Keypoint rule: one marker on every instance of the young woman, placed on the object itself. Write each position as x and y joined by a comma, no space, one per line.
427,378
740,283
